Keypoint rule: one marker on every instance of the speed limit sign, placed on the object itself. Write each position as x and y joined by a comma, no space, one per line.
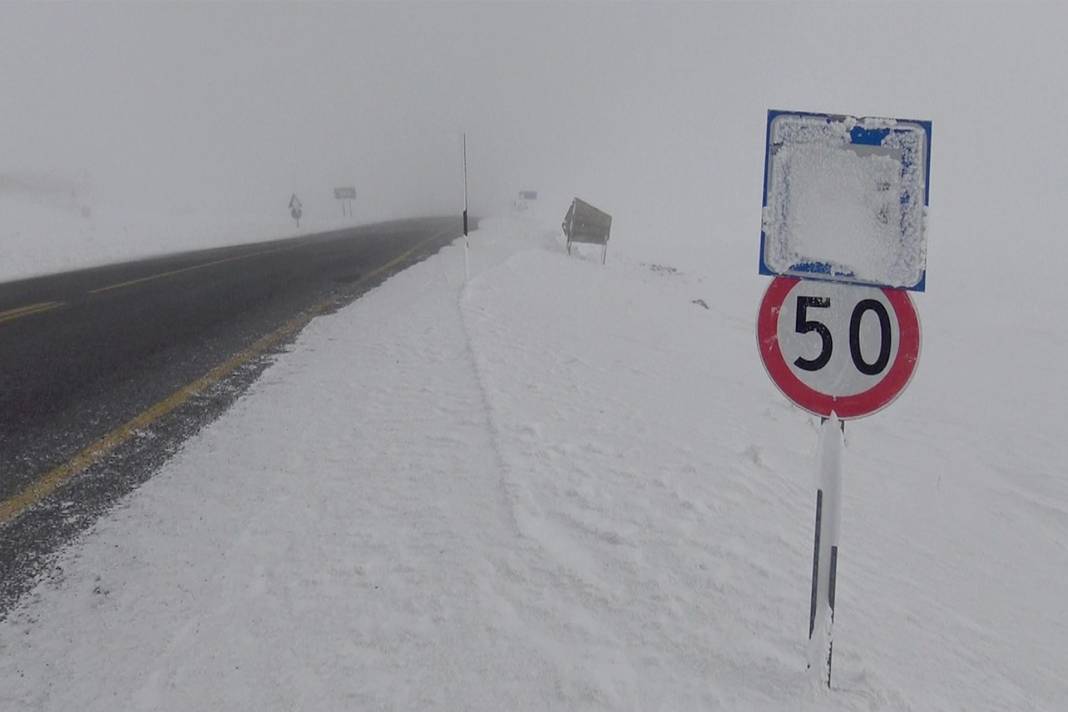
834,347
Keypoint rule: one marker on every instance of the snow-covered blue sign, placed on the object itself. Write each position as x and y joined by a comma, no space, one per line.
845,199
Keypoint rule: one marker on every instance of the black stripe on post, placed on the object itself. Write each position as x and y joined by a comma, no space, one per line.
465,223
830,599
815,565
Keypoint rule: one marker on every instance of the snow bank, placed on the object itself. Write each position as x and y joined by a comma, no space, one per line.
561,486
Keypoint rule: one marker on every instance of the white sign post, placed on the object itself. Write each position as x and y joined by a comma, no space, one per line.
825,548
844,230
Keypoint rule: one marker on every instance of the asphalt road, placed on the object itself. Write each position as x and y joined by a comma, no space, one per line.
105,371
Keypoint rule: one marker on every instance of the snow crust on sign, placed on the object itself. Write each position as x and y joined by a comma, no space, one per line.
835,203
565,486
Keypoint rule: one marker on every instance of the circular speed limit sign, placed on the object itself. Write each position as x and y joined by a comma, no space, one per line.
838,347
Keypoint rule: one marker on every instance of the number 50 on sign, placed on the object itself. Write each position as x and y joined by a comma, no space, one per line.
838,347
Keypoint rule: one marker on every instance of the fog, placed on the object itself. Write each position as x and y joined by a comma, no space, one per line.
653,112
507,473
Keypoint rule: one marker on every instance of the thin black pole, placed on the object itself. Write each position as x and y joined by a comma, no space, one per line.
830,599
465,184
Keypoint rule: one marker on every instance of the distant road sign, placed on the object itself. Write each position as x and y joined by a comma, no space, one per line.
587,224
296,209
838,347
347,193
845,198
528,195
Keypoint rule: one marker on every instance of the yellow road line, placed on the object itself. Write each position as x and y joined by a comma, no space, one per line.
12,314
172,272
49,482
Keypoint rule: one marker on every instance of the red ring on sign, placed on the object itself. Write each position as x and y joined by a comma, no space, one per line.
859,404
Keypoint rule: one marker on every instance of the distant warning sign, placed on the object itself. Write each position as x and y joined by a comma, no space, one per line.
296,208
845,199
838,347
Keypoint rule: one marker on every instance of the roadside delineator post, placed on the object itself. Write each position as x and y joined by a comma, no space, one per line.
467,242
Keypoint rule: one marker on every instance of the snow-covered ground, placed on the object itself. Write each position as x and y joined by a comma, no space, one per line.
568,486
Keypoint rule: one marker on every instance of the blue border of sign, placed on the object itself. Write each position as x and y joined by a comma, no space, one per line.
858,135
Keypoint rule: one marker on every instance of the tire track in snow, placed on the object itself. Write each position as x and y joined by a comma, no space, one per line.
507,496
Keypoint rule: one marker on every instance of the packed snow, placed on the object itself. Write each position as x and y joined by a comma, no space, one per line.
563,485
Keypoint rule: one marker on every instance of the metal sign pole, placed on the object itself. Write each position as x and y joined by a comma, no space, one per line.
825,549
465,186
467,242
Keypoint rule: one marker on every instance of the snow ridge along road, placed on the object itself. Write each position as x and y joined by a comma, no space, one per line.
556,487
133,358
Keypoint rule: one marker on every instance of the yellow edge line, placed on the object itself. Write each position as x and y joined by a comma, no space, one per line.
151,277
19,310
12,314
46,484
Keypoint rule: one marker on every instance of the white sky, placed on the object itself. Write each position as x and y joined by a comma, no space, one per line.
653,111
